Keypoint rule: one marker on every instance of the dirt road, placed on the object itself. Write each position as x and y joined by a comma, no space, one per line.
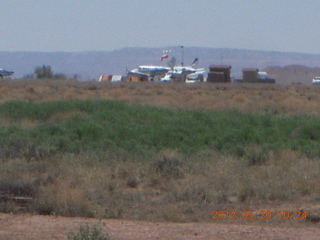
29,227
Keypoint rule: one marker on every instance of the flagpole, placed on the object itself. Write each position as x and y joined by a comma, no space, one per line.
182,54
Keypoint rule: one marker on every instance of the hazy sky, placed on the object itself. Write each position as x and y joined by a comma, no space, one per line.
103,25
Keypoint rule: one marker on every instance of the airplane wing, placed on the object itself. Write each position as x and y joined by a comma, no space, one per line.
149,71
136,73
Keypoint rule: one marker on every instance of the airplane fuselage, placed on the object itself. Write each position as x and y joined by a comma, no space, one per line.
149,71
153,70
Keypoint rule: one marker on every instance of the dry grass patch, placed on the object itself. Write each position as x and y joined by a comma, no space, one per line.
171,187
240,98
245,97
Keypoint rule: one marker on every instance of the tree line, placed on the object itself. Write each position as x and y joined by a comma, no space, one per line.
44,71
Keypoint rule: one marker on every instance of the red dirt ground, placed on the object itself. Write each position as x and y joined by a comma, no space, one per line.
29,227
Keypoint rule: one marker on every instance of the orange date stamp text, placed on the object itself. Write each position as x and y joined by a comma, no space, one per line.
262,214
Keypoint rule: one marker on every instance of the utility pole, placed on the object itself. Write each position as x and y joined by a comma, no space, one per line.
182,54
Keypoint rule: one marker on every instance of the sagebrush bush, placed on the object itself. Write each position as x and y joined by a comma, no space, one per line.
169,164
86,232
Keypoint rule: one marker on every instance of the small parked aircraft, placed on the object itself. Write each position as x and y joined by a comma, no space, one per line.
5,73
152,71
180,73
316,80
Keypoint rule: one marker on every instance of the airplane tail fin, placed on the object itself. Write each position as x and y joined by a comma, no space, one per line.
195,63
127,71
172,62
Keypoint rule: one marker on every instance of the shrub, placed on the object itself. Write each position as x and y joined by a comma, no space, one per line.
169,164
257,156
133,181
61,199
87,233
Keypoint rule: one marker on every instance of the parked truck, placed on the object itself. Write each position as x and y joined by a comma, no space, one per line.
253,75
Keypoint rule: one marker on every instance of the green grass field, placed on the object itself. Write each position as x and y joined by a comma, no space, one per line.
102,125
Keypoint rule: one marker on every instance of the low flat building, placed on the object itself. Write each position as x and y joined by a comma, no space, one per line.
219,74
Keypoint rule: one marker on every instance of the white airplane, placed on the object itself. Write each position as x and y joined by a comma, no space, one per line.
198,76
5,73
183,73
316,80
152,71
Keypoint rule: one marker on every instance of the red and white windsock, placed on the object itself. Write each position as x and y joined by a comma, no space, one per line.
165,56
